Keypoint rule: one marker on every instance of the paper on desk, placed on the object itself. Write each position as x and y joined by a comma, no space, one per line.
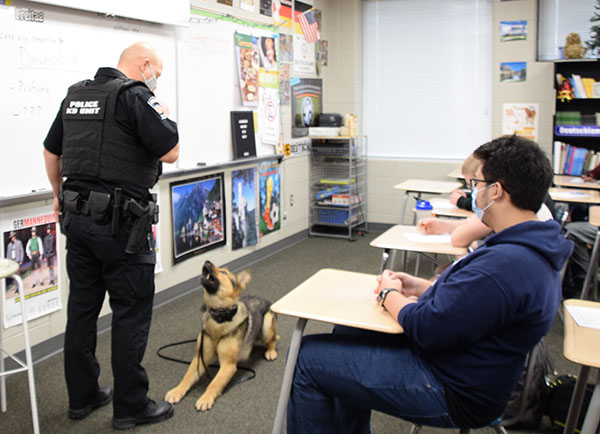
422,238
585,316
568,194
443,205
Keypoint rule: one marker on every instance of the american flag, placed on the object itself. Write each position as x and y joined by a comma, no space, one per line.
309,25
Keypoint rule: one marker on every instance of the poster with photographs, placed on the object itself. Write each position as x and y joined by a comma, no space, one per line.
244,206
513,72
270,200
30,238
323,47
198,215
513,30
247,61
307,101
268,52
285,47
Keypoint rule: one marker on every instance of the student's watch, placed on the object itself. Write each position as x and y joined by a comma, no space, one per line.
383,294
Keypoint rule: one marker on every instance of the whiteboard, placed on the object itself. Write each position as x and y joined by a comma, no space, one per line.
40,60
177,12
209,88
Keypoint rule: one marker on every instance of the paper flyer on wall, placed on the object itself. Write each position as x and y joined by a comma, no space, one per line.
268,107
248,64
244,206
304,56
521,119
269,184
30,238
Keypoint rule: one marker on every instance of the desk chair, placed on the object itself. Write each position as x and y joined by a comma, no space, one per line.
10,268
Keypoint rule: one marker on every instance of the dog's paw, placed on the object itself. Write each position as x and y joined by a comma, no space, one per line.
174,396
270,354
205,403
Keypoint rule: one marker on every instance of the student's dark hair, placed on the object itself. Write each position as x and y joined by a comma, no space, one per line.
522,168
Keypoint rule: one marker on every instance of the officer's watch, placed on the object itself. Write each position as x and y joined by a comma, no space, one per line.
383,294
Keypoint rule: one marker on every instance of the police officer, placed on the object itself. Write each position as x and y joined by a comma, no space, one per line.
107,142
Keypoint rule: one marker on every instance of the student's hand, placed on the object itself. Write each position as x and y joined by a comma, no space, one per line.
387,279
432,226
587,178
455,195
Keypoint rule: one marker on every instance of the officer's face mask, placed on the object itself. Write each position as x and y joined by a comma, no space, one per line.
150,82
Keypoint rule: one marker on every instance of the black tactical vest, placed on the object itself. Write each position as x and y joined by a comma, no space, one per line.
94,146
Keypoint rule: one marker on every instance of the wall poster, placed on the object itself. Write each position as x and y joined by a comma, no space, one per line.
30,238
244,201
198,215
269,180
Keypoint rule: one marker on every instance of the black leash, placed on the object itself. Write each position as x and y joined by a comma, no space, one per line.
201,356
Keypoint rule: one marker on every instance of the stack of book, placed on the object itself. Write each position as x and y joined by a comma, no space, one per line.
572,160
583,87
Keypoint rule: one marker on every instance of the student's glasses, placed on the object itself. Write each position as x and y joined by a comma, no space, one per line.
474,181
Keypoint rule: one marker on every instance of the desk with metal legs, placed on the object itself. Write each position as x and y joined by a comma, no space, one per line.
402,238
581,345
420,186
333,296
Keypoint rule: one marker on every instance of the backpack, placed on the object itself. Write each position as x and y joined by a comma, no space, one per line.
558,400
525,407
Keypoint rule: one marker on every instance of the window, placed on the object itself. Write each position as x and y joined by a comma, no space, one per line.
427,77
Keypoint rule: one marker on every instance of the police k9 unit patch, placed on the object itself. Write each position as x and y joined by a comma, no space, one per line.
158,108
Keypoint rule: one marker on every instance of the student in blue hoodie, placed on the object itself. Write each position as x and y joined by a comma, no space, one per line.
466,336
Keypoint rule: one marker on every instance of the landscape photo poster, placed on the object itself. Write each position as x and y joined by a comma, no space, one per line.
270,199
513,72
244,207
513,30
520,119
198,215
29,237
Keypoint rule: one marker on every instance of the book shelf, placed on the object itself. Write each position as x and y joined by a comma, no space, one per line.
576,129
338,187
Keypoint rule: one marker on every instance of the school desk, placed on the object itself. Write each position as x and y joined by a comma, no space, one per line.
581,346
590,276
574,195
409,239
420,186
332,296
442,207
456,174
575,182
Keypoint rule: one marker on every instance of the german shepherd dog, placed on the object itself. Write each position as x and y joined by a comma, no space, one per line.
231,325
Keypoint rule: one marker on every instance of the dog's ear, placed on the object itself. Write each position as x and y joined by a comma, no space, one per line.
243,278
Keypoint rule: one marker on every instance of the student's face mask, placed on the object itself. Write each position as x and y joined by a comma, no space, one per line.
150,82
479,211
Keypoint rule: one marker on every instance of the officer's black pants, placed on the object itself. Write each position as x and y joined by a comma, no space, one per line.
97,263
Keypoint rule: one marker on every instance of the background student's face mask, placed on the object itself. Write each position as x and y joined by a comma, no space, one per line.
478,211
150,82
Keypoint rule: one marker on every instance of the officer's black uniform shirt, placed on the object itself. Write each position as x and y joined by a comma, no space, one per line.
136,117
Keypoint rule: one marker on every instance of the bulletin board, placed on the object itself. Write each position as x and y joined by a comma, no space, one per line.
208,87
44,50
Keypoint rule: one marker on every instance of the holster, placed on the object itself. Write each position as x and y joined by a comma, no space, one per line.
140,238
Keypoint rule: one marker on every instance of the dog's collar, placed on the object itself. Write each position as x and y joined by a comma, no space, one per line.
224,314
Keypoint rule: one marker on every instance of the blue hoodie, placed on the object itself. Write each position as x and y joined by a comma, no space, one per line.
476,323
